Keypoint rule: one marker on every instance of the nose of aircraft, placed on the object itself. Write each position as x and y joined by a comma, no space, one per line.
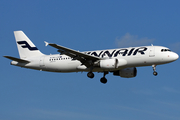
174,56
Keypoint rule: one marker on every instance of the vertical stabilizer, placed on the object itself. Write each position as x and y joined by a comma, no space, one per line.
25,47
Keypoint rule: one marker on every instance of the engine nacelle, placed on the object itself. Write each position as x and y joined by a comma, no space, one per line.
108,63
111,63
126,73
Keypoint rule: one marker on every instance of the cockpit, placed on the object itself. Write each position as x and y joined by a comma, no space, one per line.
165,50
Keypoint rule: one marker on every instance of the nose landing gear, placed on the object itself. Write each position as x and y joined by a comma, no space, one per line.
154,69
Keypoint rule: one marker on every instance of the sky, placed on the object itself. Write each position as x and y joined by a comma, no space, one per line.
84,25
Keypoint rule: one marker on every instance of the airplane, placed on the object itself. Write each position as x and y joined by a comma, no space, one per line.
121,62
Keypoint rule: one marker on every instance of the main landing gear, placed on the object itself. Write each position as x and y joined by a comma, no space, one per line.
90,74
102,80
154,69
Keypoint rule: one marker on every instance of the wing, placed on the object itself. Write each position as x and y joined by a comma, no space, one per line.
85,59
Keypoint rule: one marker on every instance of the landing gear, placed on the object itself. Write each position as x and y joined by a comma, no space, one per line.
90,74
103,79
155,73
154,69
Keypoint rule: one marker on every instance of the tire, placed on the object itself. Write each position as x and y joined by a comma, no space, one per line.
103,80
90,74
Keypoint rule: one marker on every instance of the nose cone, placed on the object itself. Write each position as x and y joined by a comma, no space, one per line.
174,56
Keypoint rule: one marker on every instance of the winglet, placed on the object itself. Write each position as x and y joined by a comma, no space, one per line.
46,43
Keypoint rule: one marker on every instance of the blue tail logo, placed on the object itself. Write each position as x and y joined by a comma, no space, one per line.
26,45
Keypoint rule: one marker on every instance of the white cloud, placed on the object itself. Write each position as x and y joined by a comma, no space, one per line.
175,47
170,90
151,109
172,104
129,40
145,92
61,114
146,112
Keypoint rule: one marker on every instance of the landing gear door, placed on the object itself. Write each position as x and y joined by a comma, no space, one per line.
152,51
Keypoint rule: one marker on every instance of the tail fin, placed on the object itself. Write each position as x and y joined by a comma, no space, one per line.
25,47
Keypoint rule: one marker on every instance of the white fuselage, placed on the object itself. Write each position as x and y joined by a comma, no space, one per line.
133,57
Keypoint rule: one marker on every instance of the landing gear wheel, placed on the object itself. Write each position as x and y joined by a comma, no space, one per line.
155,73
90,74
103,80
154,69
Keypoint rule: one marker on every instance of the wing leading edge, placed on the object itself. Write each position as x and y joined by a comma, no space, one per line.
85,59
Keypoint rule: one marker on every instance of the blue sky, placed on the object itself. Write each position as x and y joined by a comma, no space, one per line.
89,25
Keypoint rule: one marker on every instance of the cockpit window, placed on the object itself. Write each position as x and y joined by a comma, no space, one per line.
165,50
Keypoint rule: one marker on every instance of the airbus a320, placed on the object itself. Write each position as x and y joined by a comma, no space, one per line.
121,62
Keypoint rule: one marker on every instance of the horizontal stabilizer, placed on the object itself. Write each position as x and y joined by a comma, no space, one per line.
17,59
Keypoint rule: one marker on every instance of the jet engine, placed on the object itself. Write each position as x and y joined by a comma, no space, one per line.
126,73
110,63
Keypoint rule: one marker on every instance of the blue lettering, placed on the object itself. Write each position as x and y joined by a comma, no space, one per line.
108,54
121,51
130,52
95,54
140,50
